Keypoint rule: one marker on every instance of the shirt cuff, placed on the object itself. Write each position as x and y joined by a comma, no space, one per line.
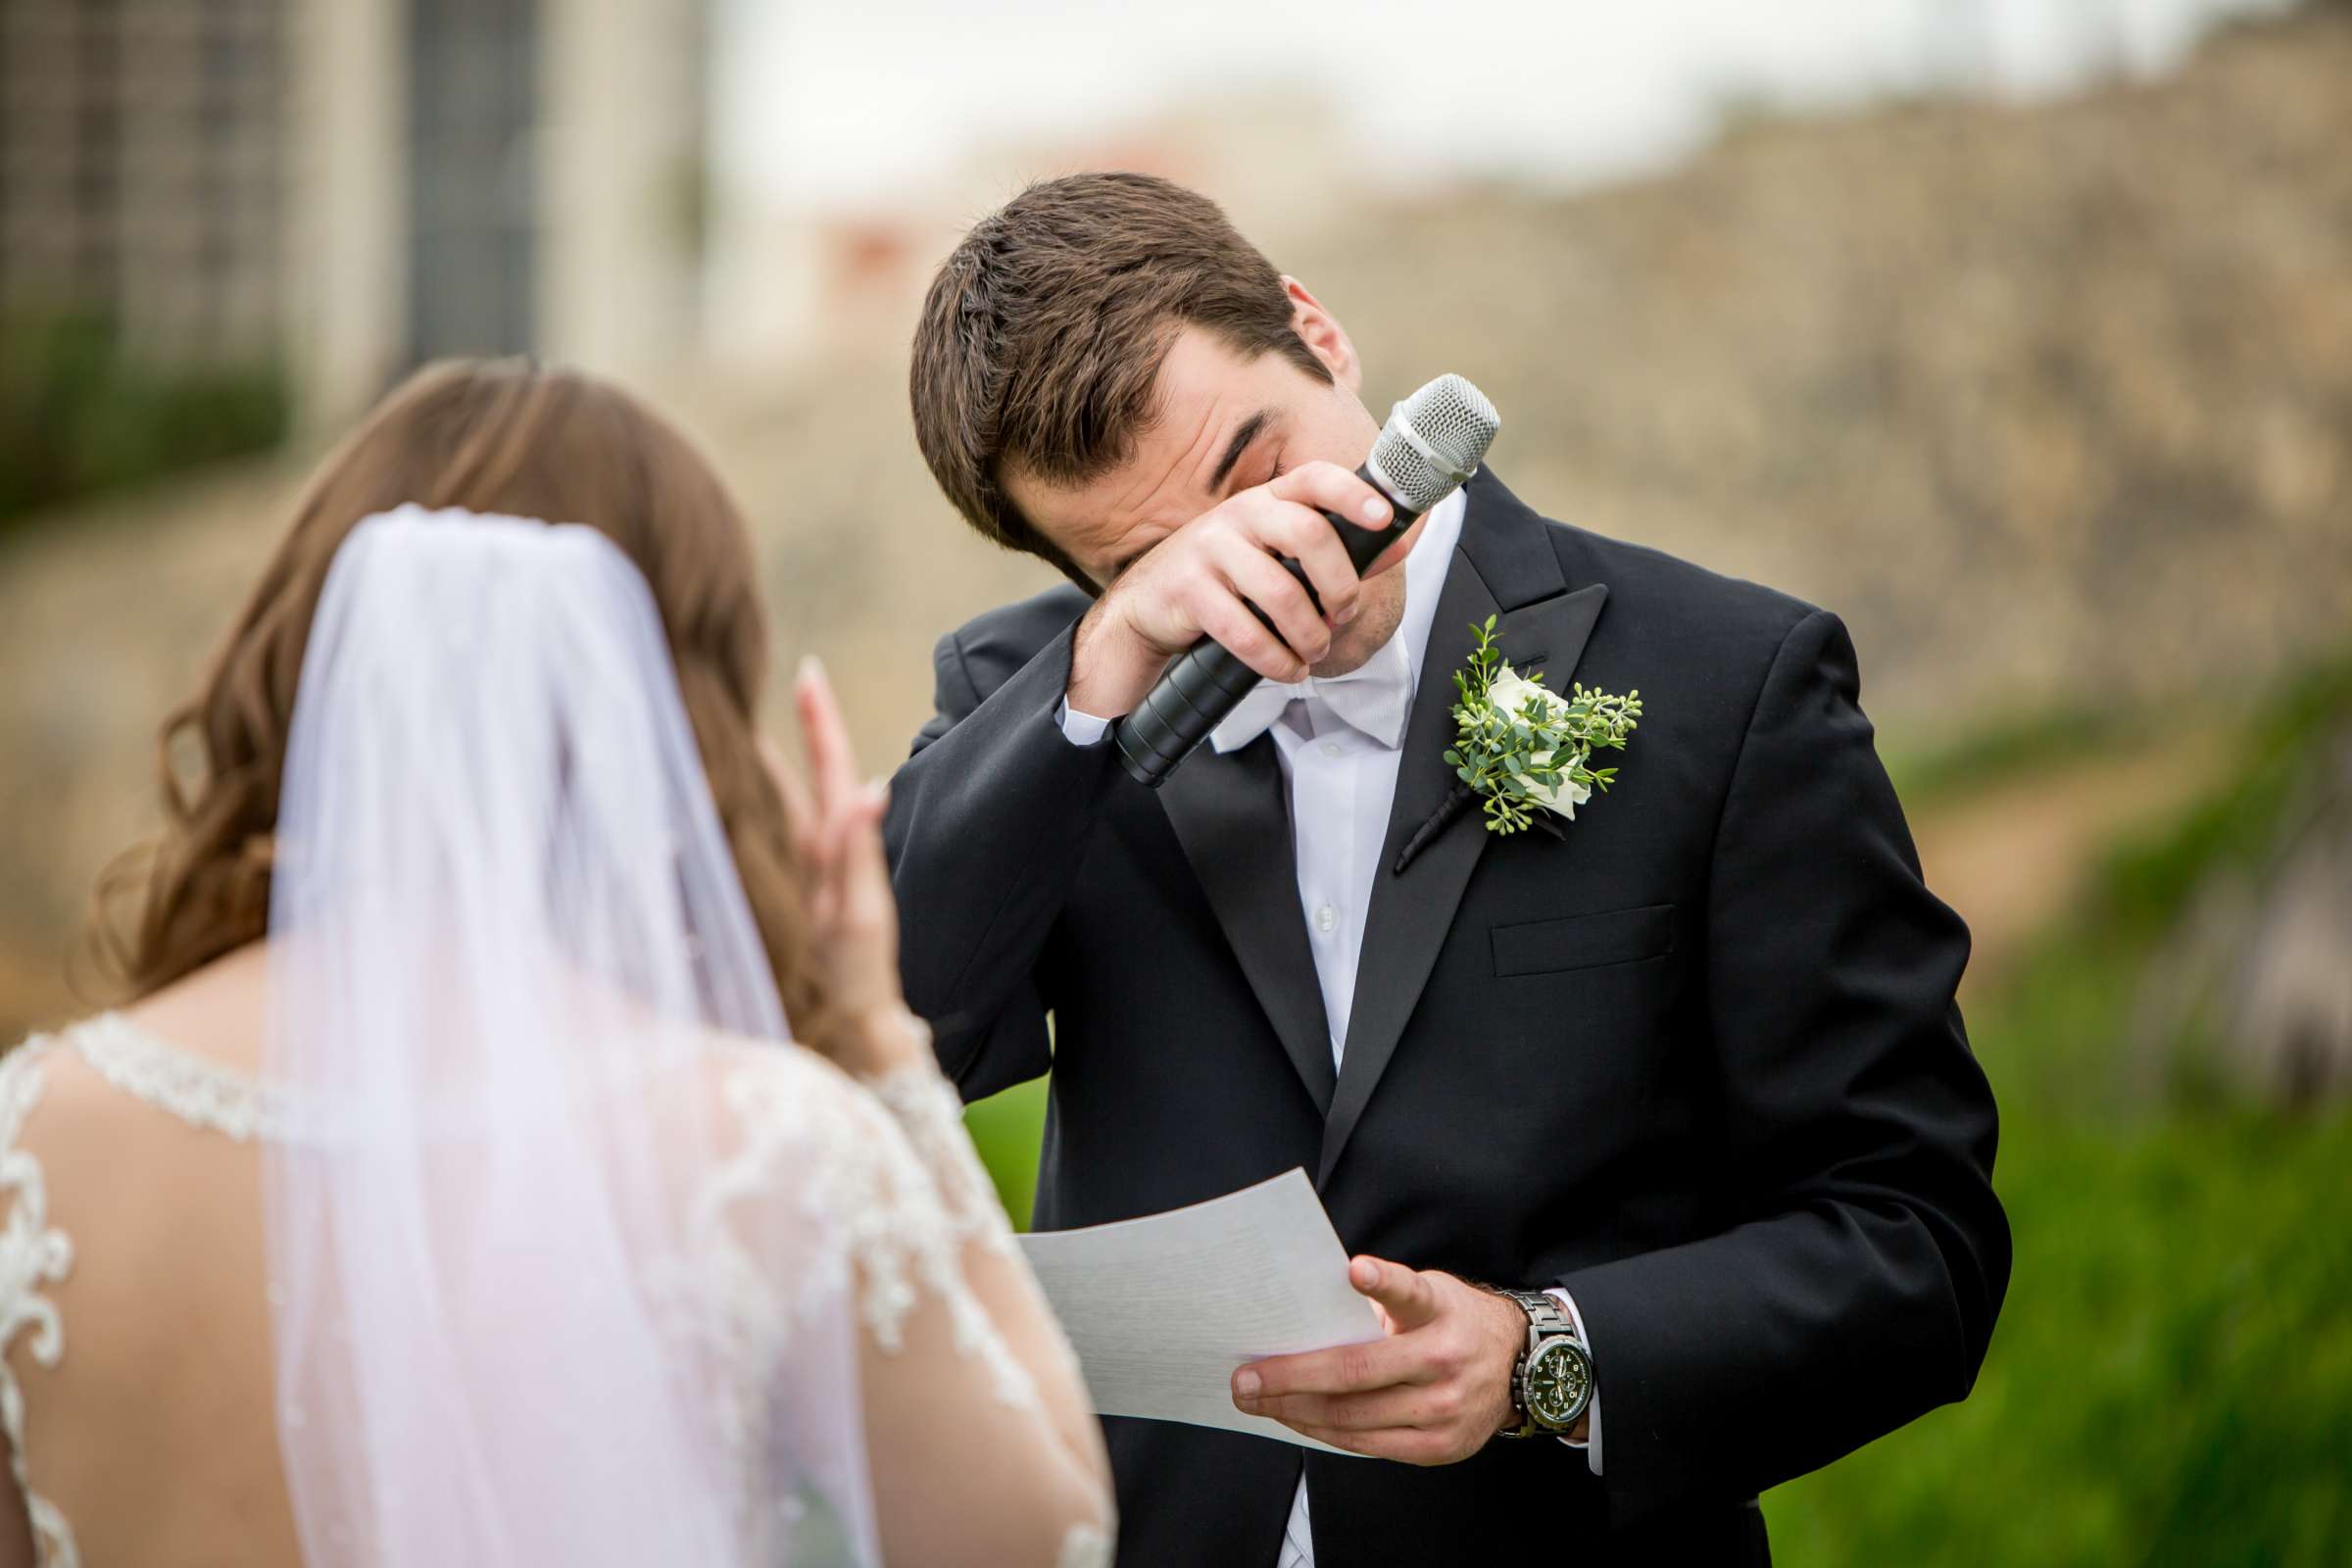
1592,1442
1084,729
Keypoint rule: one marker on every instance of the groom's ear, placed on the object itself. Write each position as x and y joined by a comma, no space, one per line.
1324,337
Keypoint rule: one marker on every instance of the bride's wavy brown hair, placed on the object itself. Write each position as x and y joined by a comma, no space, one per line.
495,436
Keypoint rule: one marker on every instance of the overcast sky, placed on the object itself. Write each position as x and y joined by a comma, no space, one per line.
821,104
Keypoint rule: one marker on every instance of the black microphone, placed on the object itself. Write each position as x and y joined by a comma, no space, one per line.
1433,442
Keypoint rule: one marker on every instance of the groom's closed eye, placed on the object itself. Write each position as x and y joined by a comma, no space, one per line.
1232,474
1251,430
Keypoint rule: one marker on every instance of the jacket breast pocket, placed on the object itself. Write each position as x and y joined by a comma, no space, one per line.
1585,941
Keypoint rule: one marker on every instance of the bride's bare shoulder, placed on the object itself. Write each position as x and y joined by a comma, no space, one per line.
214,1014
96,1088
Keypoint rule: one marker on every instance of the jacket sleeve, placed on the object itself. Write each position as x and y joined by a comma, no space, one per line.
988,821
1864,1256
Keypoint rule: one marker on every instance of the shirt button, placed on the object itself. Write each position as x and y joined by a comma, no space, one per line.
1331,748
1325,917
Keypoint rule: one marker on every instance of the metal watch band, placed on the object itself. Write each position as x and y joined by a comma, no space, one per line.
1547,1320
1543,1312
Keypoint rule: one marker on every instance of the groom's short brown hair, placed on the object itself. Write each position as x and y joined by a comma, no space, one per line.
1041,340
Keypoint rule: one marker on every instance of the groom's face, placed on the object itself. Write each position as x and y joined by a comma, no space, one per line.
1226,423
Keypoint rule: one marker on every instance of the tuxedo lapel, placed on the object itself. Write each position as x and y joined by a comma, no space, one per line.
1504,566
1232,815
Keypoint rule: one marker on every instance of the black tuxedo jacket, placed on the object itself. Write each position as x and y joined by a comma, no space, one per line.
1696,1059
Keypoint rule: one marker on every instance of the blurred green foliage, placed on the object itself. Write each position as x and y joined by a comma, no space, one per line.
1931,774
1008,1129
2172,1378
2171,1381
79,416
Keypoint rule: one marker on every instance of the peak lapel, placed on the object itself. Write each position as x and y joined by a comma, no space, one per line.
1504,566
1232,815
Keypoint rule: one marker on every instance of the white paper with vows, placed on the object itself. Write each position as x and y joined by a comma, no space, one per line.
1164,1308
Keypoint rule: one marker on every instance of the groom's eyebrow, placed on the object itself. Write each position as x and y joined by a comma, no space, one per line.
1251,430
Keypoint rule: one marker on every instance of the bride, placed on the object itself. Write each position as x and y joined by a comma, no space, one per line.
453,1191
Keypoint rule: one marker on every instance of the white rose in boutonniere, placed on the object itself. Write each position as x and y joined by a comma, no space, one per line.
1522,746
1510,692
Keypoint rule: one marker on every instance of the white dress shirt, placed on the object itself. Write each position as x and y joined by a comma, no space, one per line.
1340,741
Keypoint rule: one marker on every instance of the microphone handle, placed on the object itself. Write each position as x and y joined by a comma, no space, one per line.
1205,682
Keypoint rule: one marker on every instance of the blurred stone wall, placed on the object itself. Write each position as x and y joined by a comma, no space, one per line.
2053,404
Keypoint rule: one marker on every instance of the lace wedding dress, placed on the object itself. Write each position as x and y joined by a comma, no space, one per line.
890,1167
485,1215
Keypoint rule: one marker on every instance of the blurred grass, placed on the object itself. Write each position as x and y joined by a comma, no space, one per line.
79,416
1007,1128
2171,1381
1927,774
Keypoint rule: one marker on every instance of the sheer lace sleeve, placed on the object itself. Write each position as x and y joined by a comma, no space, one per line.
982,1445
930,1112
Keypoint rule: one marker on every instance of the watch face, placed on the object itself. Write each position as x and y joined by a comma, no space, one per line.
1559,1381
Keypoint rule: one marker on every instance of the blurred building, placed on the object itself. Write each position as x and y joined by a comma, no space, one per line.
142,168
819,278
355,187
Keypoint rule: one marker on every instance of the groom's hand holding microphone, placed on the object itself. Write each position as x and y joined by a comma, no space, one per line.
1203,578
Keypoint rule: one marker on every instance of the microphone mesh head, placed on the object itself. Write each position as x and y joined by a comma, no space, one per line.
1434,441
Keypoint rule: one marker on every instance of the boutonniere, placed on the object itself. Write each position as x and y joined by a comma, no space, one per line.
1525,749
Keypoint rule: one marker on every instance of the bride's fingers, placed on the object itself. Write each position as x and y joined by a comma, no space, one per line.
843,859
827,800
806,708
812,851
854,811
863,857
800,812
860,870
830,764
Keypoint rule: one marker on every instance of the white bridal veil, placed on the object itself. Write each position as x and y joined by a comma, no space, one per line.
526,1312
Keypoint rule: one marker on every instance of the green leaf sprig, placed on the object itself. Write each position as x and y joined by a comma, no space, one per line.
1522,758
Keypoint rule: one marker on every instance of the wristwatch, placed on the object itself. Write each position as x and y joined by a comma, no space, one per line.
1551,1382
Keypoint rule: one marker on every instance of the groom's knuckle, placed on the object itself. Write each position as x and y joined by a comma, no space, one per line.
1255,518
1186,596
1299,527
1287,534
1236,631
1355,1365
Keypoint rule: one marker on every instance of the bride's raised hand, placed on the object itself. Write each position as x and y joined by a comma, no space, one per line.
853,915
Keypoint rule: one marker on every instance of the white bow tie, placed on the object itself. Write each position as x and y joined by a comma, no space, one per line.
1376,700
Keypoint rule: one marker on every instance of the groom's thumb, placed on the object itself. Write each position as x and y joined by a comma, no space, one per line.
1405,1294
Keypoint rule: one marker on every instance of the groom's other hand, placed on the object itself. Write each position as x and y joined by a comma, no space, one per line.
1203,577
1433,1392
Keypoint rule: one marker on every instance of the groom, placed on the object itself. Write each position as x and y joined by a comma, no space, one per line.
1686,1075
